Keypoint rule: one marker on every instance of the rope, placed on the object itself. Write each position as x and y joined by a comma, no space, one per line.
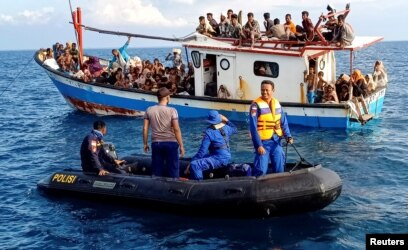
15,78
302,160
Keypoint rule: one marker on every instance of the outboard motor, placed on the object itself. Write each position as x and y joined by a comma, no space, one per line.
110,149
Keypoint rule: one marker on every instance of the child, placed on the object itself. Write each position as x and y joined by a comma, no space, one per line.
310,80
321,84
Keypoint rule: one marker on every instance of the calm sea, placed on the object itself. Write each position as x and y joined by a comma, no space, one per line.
40,134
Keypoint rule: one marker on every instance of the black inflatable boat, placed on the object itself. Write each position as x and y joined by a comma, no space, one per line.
301,188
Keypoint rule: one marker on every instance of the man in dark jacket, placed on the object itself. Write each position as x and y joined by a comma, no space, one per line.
94,158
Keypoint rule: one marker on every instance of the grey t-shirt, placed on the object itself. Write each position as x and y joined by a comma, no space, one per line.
160,118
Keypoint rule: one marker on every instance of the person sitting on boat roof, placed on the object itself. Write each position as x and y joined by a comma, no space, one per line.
306,31
278,30
268,124
344,34
229,15
214,151
251,30
120,56
236,27
204,28
176,58
224,27
94,158
213,23
166,136
330,26
290,27
268,23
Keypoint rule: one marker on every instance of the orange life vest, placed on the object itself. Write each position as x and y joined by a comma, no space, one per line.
269,122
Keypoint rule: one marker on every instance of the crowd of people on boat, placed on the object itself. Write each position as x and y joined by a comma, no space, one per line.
346,87
335,30
124,71
268,127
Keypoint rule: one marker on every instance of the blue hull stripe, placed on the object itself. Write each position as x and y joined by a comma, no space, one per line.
199,112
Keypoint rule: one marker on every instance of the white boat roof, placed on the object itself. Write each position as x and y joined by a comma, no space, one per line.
279,47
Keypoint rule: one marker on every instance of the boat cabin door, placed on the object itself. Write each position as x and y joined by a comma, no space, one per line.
226,82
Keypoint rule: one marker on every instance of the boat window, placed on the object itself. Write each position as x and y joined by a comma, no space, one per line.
195,56
225,64
267,69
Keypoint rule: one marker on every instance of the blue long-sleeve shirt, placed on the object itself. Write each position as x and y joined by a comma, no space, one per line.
122,52
214,143
254,112
92,153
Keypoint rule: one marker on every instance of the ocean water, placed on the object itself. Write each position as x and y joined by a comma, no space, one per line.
40,134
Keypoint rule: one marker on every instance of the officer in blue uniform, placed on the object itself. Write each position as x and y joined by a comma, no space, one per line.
93,157
214,151
268,125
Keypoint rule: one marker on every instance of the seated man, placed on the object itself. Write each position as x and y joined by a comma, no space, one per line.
204,28
214,151
94,157
251,30
330,95
120,56
344,34
236,28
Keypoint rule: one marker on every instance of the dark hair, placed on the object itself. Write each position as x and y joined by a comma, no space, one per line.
230,11
276,21
201,18
209,14
234,16
288,15
305,13
268,82
340,18
267,15
99,125
250,14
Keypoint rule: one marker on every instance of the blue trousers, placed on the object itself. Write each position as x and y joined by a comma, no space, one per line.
274,151
208,162
165,159
311,97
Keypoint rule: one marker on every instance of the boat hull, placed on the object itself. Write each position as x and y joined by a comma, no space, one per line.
303,190
103,99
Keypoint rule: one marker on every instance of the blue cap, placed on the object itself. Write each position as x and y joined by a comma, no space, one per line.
213,117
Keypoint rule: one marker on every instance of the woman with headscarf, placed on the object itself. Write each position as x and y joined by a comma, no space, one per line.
359,84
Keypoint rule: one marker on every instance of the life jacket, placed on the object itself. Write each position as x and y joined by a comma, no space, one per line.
269,120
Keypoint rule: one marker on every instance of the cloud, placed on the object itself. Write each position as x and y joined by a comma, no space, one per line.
6,19
127,12
40,16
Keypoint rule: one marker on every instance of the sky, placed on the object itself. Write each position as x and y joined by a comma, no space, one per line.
33,24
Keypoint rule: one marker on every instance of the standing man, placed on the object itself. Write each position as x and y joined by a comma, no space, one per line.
120,56
214,151
268,125
166,136
94,157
